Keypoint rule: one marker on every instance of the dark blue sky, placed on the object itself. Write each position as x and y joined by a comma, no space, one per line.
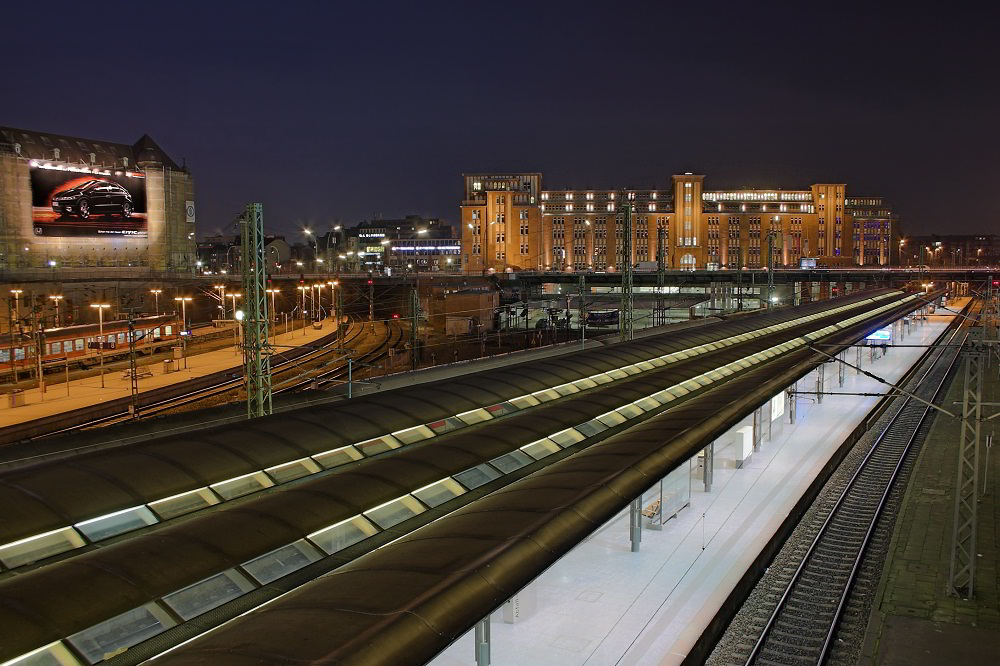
335,111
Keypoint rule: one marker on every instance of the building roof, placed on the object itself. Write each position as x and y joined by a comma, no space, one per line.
42,146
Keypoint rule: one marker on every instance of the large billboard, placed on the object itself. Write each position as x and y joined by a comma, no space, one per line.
79,201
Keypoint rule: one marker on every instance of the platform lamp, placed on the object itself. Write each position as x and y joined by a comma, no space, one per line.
274,315
184,300
156,298
222,297
184,320
302,290
333,303
17,302
319,300
14,317
100,333
237,329
55,299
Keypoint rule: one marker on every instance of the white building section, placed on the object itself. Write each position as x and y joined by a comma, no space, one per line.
603,604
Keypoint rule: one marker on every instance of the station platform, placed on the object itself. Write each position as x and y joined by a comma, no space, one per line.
603,604
78,393
915,620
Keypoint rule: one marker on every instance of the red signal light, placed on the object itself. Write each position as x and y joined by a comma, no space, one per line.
395,315
370,282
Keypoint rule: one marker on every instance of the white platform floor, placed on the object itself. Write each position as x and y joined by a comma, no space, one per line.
603,604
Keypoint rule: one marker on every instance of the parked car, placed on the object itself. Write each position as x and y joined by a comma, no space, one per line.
94,197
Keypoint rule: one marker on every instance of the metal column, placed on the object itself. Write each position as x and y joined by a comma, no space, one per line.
625,314
582,311
483,642
709,469
256,350
792,403
962,574
635,523
758,428
820,376
841,369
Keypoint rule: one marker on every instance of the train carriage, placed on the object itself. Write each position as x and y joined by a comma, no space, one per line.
82,344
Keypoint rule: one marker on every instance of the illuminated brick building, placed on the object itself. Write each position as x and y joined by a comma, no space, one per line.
510,223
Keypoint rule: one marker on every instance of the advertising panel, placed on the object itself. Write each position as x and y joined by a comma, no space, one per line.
777,406
84,202
880,335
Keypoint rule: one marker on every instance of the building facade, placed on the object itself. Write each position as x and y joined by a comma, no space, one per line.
510,223
73,203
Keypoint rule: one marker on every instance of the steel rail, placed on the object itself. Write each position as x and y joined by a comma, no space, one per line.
815,545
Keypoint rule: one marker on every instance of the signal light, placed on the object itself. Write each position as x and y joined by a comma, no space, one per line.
370,282
395,315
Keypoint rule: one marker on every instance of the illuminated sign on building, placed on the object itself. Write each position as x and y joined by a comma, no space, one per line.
69,200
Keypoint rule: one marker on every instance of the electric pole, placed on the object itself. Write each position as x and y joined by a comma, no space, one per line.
132,369
414,312
771,234
256,350
962,573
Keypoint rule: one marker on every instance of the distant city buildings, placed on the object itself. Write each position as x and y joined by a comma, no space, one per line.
510,223
381,246
951,250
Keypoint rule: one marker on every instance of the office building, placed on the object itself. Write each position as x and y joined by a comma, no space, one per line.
509,222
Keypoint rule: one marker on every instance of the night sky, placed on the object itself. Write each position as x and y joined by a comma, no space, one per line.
336,111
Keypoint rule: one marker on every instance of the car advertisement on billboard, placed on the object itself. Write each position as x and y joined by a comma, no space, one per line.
77,201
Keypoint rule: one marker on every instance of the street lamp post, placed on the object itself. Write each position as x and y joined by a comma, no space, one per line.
55,299
100,333
156,298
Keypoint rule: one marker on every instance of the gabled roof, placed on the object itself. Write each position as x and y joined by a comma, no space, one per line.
42,146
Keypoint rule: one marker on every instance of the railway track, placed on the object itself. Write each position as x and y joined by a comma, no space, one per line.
394,335
281,366
227,381
310,380
810,616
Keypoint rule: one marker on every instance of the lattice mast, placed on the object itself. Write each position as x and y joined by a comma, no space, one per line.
962,573
625,264
660,317
256,351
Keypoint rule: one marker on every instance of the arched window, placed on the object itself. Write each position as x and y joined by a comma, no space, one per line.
687,262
